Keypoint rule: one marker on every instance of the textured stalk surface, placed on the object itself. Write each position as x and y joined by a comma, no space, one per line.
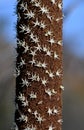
39,65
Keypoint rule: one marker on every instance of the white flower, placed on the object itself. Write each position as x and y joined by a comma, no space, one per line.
21,97
23,6
51,41
48,53
55,55
38,47
33,95
51,127
50,92
55,111
42,25
48,33
33,77
40,119
29,15
45,48
44,10
26,49
32,52
37,4
38,78
36,39
53,1
23,118
28,30
38,64
58,73
36,23
60,121
59,42
35,113
49,111
44,65
62,87
51,75
31,36
25,83
17,72
32,61
44,81
60,6
22,27
22,63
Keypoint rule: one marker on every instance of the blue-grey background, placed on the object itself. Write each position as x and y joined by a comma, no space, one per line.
73,50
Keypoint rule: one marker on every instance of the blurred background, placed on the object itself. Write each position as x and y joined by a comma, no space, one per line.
73,64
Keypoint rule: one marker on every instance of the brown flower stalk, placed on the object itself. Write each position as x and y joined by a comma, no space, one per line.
39,65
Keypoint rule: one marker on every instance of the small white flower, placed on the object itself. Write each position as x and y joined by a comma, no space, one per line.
23,118
31,36
55,111
37,4
40,119
62,87
60,121
33,77
32,52
49,53
51,127
26,49
17,72
58,73
44,65
48,33
38,78
60,6
33,128
44,10
35,113
55,55
38,47
22,63
28,30
25,103
51,75
36,23
45,48
50,92
49,17
44,81
32,61
59,42
29,110
25,83
23,28
42,25
52,41
21,97
53,1
49,111
23,6
29,15
33,95
36,39
38,64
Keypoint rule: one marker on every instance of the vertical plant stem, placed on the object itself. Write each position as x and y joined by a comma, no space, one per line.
39,65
